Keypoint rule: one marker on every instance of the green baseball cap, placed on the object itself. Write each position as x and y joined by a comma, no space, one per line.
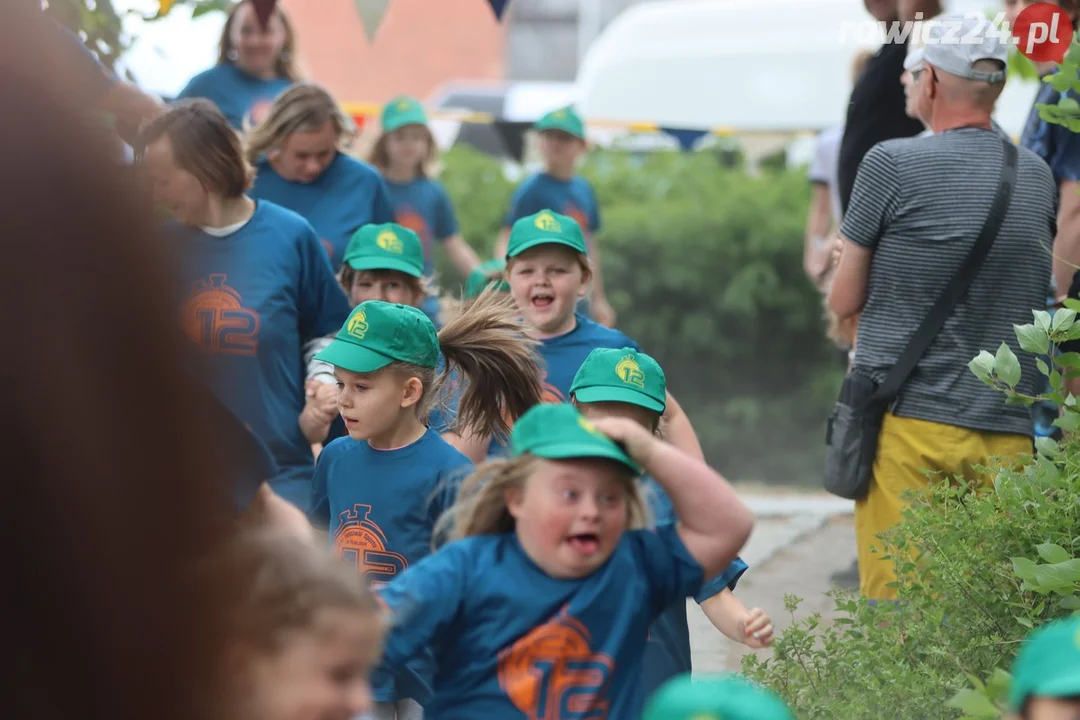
564,119
378,333
719,697
1048,664
385,247
557,431
545,228
626,376
401,111
484,274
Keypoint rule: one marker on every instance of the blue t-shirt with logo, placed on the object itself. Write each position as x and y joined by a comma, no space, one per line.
1056,144
235,92
380,507
564,354
510,641
251,301
667,652
348,195
574,198
423,206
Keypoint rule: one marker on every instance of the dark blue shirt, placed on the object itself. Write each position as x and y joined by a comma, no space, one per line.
424,207
253,298
234,91
510,641
380,507
574,198
1056,144
348,195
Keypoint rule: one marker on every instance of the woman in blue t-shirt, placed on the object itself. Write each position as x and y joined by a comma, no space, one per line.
255,65
257,287
297,155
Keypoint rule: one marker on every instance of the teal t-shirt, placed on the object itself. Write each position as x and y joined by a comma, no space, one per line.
234,91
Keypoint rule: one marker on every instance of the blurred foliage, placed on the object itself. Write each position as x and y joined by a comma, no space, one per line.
703,265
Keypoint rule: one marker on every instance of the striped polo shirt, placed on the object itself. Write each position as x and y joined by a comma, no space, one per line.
918,204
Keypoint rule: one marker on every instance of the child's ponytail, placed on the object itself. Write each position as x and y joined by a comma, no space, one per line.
486,346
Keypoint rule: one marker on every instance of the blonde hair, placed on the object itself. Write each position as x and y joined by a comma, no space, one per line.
285,66
284,583
303,107
379,155
480,507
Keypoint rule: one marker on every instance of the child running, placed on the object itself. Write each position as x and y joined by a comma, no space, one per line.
404,153
559,188
381,262
629,384
381,490
305,634
541,604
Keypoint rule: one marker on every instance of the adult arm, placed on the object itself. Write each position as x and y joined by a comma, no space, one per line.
1067,241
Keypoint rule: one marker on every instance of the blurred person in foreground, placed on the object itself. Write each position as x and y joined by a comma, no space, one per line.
1046,673
109,502
917,208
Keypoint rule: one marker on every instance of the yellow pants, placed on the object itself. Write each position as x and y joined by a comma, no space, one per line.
907,449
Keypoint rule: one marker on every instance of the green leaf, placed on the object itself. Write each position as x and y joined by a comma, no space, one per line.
1068,104
982,366
1025,622
1060,81
1069,359
1069,422
1050,552
998,684
1072,303
1042,319
1063,318
1070,602
974,704
1043,368
1049,448
1006,366
1024,568
1055,383
1058,575
1033,338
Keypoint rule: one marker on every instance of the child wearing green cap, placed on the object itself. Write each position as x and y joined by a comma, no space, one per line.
381,262
540,605
404,153
558,187
1046,674
379,491
629,384
714,697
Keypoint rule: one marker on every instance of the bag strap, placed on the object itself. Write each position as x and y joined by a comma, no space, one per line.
958,284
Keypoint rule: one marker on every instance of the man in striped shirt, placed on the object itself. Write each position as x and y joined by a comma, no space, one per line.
916,209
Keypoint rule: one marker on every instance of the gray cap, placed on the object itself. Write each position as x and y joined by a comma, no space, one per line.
955,43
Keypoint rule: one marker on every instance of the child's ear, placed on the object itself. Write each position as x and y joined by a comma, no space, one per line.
514,496
412,392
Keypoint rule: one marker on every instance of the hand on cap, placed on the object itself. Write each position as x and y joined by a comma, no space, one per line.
635,439
757,629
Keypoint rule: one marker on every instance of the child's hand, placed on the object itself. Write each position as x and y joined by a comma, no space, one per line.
637,441
319,411
757,629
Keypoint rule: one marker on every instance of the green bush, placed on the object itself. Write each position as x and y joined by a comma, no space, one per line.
704,266
979,568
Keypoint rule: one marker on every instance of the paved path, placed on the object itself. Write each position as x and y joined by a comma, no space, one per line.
799,542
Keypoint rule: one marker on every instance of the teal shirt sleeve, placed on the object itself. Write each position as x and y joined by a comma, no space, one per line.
726,580
594,210
446,224
382,208
672,572
323,305
318,509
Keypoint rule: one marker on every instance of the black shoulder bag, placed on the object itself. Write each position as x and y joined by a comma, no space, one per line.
855,422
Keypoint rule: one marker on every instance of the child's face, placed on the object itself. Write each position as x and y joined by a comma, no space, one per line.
546,282
570,514
173,187
560,150
642,416
371,403
319,674
1045,708
408,146
387,285
304,156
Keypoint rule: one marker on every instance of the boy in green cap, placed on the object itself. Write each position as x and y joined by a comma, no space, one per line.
379,491
540,604
628,383
1046,674
405,155
381,262
558,187
718,697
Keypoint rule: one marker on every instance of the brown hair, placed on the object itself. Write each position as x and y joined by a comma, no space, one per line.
480,507
286,61
488,349
417,285
379,156
302,108
583,261
110,502
284,584
203,144
656,425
